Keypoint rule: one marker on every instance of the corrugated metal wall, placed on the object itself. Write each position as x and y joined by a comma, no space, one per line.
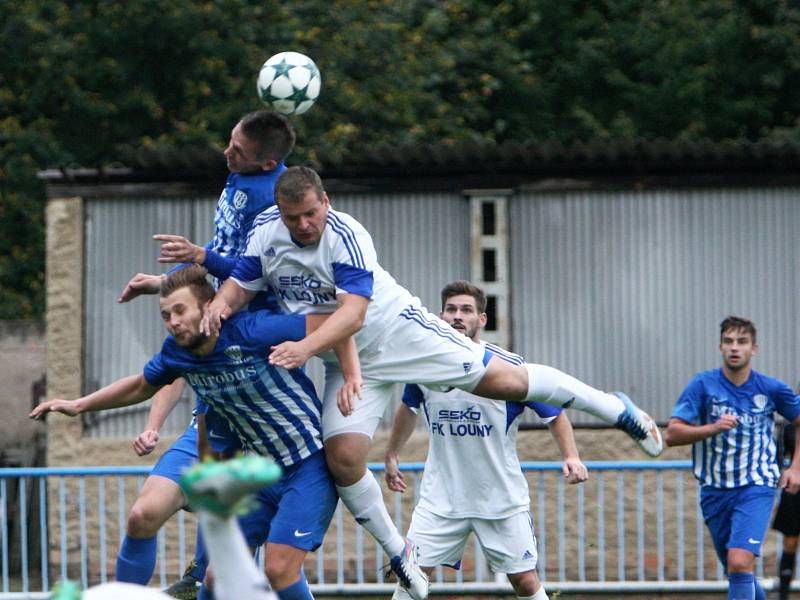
422,239
626,290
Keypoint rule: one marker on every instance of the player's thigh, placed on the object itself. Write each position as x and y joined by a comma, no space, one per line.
159,499
750,518
439,540
716,506
509,544
308,501
421,348
375,397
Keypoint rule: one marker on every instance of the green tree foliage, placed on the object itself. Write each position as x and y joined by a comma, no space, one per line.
81,80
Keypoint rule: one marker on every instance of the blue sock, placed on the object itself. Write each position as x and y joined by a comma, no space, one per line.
200,558
296,591
205,594
740,586
760,593
136,560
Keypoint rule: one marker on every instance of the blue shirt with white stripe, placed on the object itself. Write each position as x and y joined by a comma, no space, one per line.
745,455
274,411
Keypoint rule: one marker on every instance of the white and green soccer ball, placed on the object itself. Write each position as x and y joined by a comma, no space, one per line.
289,83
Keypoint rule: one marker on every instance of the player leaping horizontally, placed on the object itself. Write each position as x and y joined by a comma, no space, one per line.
321,260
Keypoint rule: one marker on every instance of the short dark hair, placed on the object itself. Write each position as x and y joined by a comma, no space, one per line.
294,184
465,288
194,277
272,132
733,322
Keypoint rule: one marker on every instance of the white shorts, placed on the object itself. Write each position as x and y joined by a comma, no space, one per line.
509,544
416,347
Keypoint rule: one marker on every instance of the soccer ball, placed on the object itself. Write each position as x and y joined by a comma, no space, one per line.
289,82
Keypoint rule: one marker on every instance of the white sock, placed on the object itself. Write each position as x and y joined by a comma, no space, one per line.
236,574
364,500
539,595
551,386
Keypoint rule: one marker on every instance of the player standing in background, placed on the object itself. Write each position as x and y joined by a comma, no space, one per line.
727,414
255,155
787,520
473,481
274,412
317,259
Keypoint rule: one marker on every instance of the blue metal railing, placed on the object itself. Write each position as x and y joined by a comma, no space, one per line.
629,528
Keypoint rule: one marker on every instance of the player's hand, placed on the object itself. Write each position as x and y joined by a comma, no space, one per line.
215,313
289,355
177,249
145,442
347,395
393,475
141,283
574,471
726,423
66,407
790,480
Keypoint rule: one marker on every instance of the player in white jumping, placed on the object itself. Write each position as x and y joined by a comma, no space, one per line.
473,481
320,260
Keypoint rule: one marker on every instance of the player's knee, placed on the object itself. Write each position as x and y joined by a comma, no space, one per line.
280,571
346,457
524,584
790,544
144,521
740,561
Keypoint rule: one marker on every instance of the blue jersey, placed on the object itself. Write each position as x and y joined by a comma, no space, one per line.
274,411
745,455
245,196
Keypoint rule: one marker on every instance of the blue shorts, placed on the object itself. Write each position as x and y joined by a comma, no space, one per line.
183,452
178,457
737,517
297,510
220,436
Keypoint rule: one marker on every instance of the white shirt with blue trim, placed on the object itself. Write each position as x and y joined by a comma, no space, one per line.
307,279
472,469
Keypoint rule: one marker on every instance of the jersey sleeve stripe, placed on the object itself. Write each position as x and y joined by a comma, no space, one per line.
349,238
510,357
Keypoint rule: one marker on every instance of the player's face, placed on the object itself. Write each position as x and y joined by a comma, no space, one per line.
306,219
182,313
737,348
241,153
462,314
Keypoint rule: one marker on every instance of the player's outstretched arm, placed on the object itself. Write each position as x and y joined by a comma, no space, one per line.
405,420
346,320
163,402
141,283
680,433
573,468
229,300
123,392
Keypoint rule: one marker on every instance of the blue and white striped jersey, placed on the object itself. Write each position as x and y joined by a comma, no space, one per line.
274,411
245,196
308,278
472,469
745,455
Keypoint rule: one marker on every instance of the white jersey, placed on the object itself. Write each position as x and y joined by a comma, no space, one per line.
472,469
307,278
